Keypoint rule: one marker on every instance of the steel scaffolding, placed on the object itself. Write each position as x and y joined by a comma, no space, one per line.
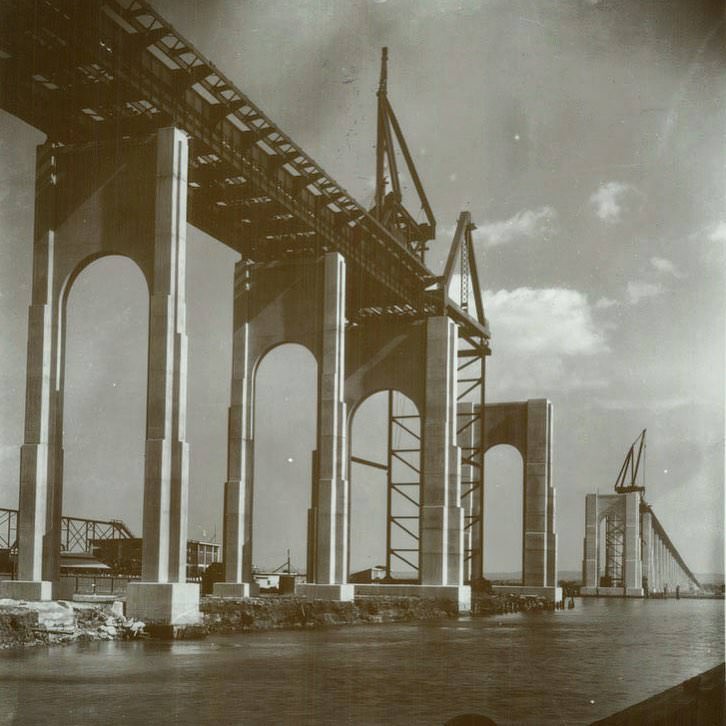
404,489
614,550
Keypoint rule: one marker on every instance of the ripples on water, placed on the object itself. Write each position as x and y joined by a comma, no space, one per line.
564,667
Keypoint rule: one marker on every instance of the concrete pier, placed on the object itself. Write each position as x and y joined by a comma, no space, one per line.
527,426
163,595
442,518
94,200
328,516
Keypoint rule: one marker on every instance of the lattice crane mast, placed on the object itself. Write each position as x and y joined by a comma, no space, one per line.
388,208
627,480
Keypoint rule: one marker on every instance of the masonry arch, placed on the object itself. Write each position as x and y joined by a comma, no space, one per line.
503,513
527,426
385,466
611,526
284,428
104,348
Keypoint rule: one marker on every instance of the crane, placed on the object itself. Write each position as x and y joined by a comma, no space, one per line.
628,476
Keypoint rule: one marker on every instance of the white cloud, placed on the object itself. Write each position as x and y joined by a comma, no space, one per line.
527,223
542,340
661,264
608,200
639,290
555,321
718,233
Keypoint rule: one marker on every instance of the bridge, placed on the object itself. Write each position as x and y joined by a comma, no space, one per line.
77,533
627,552
145,135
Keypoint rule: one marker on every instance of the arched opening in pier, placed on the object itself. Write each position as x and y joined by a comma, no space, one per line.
385,445
104,422
285,427
503,513
611,547
209,303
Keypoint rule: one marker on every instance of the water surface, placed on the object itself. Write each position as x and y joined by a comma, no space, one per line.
565,667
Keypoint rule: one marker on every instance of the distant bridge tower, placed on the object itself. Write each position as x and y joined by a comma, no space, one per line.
627,552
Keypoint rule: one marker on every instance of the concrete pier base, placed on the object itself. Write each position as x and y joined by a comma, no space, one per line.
460,594
550,594
32,590
163,603
235,590
318,591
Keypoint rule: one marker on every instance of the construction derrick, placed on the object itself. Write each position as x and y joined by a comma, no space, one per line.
626,549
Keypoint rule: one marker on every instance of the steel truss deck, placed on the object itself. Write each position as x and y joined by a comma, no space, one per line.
94,70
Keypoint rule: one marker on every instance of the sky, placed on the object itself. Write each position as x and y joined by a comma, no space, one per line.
586,140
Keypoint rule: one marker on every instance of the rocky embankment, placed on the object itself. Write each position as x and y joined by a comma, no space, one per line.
46,623
66,622
271,612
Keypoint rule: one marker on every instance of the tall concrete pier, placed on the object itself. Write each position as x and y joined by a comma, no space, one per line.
92,200
527,426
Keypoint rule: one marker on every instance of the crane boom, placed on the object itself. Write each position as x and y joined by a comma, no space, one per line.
627,480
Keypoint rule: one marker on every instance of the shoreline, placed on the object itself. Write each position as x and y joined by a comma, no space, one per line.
64,623
27,624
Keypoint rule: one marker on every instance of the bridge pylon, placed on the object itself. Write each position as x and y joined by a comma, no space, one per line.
94,200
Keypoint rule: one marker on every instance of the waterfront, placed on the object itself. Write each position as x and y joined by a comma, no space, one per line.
564,667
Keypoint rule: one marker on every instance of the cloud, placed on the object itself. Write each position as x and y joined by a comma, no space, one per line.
527,223
639,290
661,264
543,340
555,321
608,200
718,233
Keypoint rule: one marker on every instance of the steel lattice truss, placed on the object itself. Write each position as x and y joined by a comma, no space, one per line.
470,379
8,528
403,531
614,549
77,534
